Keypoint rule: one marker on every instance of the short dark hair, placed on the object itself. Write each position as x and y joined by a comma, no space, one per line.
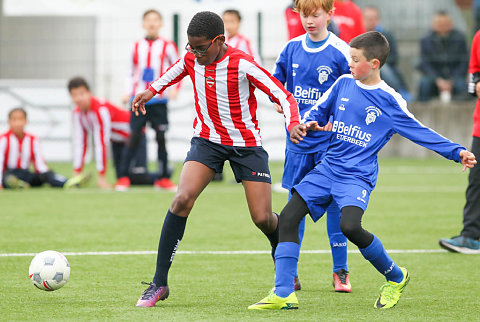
77,82
206,24
374,45
234,12
17,109
149,11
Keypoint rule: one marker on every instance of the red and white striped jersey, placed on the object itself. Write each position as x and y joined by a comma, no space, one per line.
157,54
20,153
225,104
105,122
243,43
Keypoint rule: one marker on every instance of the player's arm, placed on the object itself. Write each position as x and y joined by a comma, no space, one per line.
129,80
101,137
280,72
405,124
172,54
474,67
80,142
172,76
268,84
38,161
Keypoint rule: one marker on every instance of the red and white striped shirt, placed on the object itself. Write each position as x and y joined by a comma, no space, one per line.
224,96
105,122
20,153
157,54
243,43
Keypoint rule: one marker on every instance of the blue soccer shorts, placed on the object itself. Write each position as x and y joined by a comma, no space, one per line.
318,189
297,165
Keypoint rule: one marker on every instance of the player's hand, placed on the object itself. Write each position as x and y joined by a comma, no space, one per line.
278,108
468,159
477,89
102,182
297,133
313,126
139,101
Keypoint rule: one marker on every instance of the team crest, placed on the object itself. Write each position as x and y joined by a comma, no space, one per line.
323,73
372,114
210,81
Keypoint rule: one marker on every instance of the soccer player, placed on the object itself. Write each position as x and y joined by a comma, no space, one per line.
366,113
309,65
232,20
151,56
19,150
105,122
225,128
349,19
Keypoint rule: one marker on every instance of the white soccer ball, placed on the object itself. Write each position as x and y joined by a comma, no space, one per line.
49,270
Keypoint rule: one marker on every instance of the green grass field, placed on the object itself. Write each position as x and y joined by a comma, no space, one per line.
416,203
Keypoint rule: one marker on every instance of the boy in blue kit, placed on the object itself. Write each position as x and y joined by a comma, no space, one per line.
366,113
309,65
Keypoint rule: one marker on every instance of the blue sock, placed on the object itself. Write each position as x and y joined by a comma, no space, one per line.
377,255
301,232
286,260
338,241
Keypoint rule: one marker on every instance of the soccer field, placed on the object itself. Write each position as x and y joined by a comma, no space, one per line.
215,276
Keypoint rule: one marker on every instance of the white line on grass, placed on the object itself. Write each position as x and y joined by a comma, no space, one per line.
221,252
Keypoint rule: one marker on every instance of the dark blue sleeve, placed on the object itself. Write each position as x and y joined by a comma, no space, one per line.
321,111
405,124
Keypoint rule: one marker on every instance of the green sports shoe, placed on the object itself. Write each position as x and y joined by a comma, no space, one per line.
13,182
390,292
274,302
77,181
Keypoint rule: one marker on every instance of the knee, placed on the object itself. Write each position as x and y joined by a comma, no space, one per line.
264,220
134,140
349,228
287,221
182,203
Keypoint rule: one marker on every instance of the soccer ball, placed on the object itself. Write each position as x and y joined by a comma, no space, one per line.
49,270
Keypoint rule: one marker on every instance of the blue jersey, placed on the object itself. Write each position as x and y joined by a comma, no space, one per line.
364,120
307,73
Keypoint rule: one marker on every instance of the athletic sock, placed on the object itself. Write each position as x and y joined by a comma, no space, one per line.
286,260
172,234
338,245
377,255
273,238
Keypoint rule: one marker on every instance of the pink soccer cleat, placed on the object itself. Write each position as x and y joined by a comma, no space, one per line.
152,295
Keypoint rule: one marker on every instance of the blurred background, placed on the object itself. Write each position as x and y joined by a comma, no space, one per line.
43,43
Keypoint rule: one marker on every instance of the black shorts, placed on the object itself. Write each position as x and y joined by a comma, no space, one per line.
247,163
157,115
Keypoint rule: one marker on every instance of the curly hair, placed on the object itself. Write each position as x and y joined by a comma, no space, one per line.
205,24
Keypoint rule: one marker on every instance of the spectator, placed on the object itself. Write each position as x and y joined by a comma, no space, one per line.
443,61
389,72
295,27
468,240
105,123
232,20
151,56
19,150
348,18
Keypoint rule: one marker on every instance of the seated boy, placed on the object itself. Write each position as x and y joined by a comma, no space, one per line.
105,122
19,150
366,113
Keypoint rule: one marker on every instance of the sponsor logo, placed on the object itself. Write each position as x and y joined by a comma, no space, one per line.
210,81
306,96
323,73
389,269
372,114
174,250
339,244
261,174
351,133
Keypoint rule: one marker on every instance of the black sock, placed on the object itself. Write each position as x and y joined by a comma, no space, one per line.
172,233
273,238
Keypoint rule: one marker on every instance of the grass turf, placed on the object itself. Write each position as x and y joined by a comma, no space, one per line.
416,202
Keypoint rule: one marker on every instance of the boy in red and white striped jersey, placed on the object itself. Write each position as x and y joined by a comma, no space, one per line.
225,128
232,20
151,56
107,124
19,150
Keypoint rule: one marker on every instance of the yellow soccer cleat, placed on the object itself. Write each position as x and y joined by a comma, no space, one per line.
390,292
77,181
274,302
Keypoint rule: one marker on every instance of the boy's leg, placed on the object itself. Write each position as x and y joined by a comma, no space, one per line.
117,154
52,178
194,178
372,250
18,179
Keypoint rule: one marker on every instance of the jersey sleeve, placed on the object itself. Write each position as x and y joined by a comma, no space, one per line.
172,56
37,157
268,84
101,136
172,76
405,124
321,111
132,66
281,65
474,65
3,148
80,139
